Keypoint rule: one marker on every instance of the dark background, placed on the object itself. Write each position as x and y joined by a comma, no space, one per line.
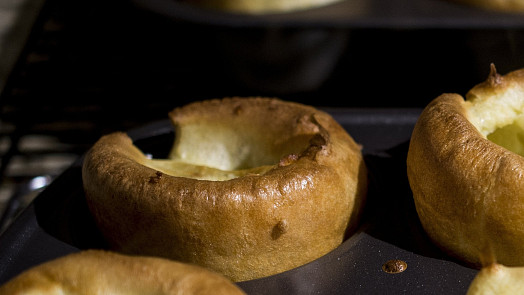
113,64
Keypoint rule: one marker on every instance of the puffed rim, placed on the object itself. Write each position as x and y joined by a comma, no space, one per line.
469,191
102,272
246,227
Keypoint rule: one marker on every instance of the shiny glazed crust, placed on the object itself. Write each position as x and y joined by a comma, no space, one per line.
261,6
298,208
101,272
468,191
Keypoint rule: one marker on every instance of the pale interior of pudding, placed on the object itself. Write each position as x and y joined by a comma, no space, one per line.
500,119
220,152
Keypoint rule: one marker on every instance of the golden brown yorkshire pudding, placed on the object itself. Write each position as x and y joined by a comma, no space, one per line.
516,6
101,272
466,170
260,6
252,187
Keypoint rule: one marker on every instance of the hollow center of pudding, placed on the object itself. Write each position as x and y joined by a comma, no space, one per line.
510,136
501,120
214,151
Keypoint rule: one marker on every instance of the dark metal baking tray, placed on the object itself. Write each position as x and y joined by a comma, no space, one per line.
58,222
348,14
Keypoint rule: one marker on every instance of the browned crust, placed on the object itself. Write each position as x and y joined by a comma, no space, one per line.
246,227
102,272
496,84
468,191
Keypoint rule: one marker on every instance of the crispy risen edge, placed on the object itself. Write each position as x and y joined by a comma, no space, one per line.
101,272
261,6
468,191
246,227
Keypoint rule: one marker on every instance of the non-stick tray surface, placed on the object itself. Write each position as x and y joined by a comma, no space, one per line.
58,222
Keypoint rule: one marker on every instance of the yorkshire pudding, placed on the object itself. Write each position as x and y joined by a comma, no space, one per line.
102,272
465,166
260,6
252,187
